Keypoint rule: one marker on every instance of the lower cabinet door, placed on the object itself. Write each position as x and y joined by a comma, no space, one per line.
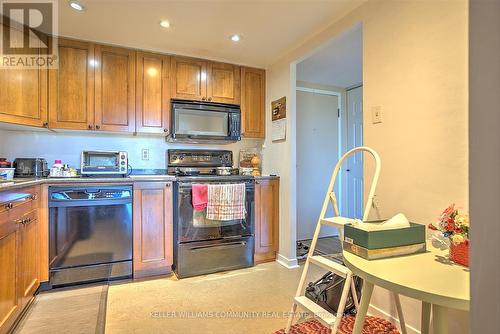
266,219
29,252
9,296
153,229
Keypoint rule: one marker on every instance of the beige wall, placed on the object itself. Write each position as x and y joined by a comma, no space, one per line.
415,68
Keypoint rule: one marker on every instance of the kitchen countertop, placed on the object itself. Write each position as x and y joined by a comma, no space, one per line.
21,182
267,177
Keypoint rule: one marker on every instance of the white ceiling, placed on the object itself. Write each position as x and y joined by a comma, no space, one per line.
269,28
338,63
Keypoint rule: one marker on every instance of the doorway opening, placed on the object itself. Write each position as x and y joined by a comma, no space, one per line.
329,122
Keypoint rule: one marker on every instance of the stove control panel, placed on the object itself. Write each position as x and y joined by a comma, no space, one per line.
199,158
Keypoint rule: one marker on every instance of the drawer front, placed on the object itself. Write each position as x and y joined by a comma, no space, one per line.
18,203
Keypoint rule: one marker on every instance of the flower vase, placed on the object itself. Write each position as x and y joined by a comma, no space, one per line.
459,253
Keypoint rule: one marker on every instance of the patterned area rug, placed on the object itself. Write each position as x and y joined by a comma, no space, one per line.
373,325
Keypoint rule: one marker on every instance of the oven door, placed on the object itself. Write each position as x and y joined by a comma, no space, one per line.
194,226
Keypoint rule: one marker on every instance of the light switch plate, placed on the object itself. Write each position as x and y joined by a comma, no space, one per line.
145,154
376,114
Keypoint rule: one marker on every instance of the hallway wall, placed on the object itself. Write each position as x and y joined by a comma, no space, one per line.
415,69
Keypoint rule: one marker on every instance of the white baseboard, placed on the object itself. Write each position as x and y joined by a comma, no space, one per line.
286,262
377,312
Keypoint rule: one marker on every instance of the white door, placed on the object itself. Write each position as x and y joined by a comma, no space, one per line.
317,154
354,165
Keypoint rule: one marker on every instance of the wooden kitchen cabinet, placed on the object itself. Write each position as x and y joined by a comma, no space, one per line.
153,228
253,102
114,89
19,251
71,87
195,79
266,219
189,78
9,296
23,93
28,256
223,83
152,93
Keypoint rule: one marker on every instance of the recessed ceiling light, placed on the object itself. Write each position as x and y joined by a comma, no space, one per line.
235,38
76,6
165,24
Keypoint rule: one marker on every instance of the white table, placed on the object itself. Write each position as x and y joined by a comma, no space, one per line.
428,277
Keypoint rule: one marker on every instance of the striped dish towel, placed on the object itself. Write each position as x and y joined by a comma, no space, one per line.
226,201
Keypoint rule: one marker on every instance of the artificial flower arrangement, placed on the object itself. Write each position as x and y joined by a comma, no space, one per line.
455,226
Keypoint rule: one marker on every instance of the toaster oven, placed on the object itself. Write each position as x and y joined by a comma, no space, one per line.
104,163
30,167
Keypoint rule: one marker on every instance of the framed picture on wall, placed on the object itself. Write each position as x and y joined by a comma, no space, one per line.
278,108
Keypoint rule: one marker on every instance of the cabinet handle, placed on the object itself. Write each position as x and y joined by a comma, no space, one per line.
97,127
90,126
34,197
165,130
45,125
168,185
203,98
209,99
9,206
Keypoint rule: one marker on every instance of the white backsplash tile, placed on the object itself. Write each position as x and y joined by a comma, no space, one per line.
67,146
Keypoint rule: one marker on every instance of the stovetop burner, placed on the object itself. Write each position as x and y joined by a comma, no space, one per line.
202,163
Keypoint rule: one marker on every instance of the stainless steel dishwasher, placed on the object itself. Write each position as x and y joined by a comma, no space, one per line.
90,234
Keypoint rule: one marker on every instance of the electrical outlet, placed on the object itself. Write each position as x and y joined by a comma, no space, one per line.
145,154
376,114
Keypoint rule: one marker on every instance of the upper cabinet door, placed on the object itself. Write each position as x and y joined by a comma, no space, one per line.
23,93
223,83
72,87
152,93
114,89
189,78
253,97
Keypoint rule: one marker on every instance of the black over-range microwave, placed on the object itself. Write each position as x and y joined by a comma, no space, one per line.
194,122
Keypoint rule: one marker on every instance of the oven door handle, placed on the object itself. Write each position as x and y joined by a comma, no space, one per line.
218,246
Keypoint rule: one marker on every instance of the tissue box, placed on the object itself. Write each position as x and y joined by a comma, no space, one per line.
381,253
415,234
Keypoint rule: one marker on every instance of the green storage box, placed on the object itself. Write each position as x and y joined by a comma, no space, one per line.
415,234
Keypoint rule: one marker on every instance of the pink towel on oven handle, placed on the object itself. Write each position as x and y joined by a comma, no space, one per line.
200,196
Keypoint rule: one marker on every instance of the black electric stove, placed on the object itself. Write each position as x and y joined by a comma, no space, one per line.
205,246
